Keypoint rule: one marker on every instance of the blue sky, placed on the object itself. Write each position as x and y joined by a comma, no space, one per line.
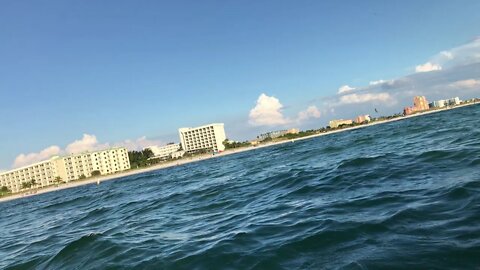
132,72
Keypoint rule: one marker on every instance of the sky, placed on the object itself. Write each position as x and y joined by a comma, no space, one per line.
85,75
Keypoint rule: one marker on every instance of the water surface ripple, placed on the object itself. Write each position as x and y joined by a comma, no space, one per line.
400,195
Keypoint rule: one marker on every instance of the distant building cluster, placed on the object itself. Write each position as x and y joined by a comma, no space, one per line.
109,161
277,133
362,119
67,168
365,118
420,104
210,136
445,102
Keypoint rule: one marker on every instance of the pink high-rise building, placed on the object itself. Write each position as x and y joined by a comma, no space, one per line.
420,104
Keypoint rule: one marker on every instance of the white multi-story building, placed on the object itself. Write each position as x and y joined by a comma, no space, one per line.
164,151
442,103
439,103
67,168
82,165
41,173
205,137
454,101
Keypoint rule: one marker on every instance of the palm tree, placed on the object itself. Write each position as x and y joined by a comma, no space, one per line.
33,183
26,185
4,190
58,180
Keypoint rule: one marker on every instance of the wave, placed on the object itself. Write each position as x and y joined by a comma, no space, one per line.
397,195
362,161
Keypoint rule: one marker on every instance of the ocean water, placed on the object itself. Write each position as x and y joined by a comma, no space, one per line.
400,195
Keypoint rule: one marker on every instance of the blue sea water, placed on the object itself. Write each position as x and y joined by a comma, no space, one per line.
400,195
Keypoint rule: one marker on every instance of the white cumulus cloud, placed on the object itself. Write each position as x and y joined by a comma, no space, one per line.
26,159
88,142
427,67
267,112
345,88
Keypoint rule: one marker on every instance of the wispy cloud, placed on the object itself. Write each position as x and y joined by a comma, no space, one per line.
464,54
378,82
345,89
427,67
311,112
450,73
367,97
469,83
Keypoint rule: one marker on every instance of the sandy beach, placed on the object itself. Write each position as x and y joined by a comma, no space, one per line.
180,162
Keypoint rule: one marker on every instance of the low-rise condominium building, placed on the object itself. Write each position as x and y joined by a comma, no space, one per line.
277,133
209,136
66,168
339,122
448,102
164,151
438,104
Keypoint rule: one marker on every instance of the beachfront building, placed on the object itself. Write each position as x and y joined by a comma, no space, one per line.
39,174
164,151
254,142
277,133
209,136
362,119
339,122
420,104
408,111
454,101
445,102
82,165
177,154
438,104
66,168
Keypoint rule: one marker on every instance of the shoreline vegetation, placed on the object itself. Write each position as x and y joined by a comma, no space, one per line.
239,148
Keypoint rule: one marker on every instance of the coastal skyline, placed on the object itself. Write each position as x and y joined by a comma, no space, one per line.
71,85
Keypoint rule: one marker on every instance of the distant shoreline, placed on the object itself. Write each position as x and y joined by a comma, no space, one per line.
181,162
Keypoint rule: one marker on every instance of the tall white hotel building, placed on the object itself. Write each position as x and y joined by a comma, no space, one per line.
68,168
205,137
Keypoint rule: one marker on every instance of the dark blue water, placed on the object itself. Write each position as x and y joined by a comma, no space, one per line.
399,195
